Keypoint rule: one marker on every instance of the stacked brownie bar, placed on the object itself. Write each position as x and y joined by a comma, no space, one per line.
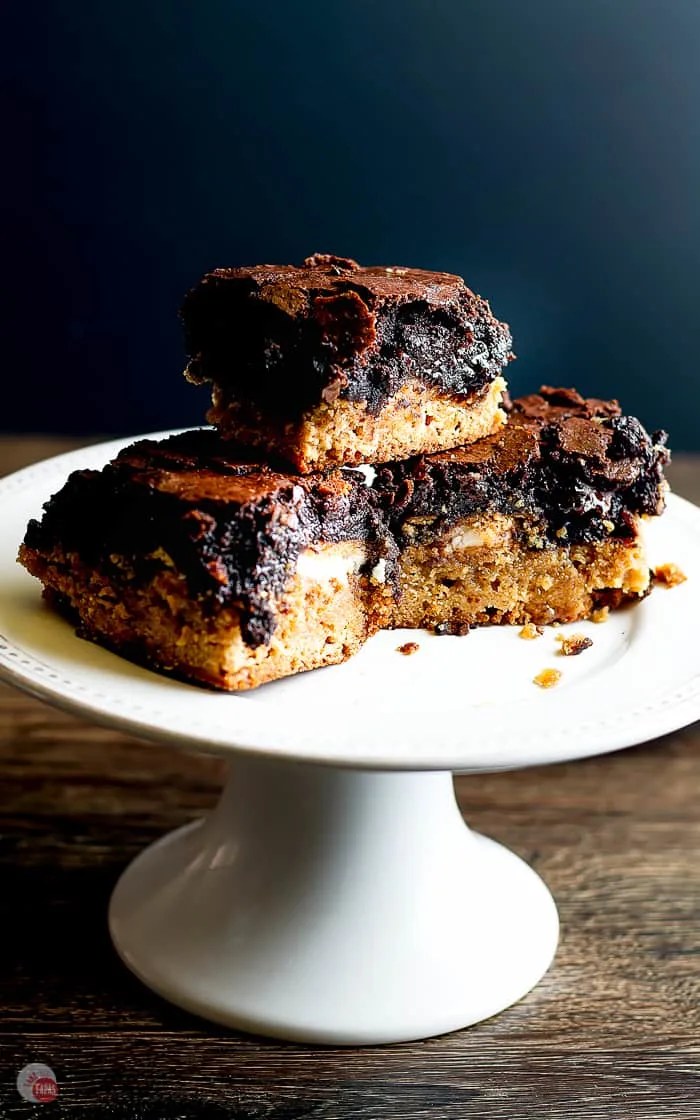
365,471
332,364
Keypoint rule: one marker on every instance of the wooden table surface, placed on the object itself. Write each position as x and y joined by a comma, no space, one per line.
612,1031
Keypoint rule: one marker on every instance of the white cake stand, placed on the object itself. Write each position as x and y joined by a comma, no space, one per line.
335,894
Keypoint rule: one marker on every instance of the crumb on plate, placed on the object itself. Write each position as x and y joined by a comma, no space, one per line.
453,629
408,648
547,678
669,574
573,645
530,631
600,615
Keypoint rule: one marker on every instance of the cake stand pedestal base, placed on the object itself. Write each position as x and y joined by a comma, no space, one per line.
334,906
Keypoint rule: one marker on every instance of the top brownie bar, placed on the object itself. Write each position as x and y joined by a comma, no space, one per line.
333,364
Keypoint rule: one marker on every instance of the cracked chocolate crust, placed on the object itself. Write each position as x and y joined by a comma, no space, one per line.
289,338
569,469
232,526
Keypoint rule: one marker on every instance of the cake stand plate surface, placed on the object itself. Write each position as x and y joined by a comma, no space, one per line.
335,894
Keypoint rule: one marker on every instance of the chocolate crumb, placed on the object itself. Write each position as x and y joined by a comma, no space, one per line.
408,648
547,678
610,597
530,631
573,645
669,574
455,629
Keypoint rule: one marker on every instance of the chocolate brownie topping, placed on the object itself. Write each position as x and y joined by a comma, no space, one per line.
558,404
571,470
288,337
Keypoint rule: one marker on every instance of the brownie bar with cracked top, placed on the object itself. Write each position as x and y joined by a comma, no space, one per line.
331,363
188,555
539,523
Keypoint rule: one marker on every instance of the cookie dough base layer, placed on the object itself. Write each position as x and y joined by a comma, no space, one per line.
323,619
480,573
416,420
477,573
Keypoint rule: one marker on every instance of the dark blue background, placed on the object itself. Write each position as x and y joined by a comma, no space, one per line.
547,150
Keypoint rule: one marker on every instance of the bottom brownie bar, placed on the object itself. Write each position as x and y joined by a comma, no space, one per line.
217,570
541,523
230,574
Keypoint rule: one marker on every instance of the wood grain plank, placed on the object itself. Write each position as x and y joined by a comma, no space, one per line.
147,1077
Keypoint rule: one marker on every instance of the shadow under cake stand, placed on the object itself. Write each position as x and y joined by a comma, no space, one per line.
335,894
